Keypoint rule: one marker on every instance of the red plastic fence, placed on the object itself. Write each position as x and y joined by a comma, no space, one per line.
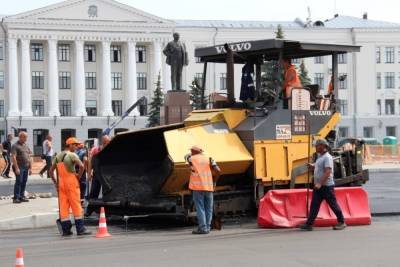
287,208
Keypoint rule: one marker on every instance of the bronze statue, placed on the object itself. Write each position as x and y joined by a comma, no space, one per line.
176,58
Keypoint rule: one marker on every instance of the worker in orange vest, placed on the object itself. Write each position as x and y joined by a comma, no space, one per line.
204,173
67,184
291,80
330,85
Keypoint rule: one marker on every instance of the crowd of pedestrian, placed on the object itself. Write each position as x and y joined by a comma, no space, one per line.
18,158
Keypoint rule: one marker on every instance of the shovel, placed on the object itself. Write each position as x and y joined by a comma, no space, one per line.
58,221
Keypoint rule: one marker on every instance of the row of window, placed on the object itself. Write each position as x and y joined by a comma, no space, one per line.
389,107
64,80
91,106
368,131
342,59
389,80
116,80
389,54
64,53
66,107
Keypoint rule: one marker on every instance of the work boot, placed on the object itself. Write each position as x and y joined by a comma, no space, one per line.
200,232
16,201
24,199
66,228
306,227
80,228
339,226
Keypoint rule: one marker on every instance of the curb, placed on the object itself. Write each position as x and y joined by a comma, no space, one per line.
386,214
40,220
10,182
384,170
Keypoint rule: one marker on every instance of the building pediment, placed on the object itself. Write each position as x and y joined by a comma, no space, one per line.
101,11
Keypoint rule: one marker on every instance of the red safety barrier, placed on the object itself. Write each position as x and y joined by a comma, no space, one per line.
287,208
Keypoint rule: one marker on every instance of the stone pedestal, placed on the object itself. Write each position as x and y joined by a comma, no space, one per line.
176,107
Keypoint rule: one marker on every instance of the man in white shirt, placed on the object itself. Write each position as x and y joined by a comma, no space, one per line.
48,153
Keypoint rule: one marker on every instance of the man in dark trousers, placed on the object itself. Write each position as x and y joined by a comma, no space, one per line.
324,187
7,155
22,163
48,153
81,152
201,182
95,183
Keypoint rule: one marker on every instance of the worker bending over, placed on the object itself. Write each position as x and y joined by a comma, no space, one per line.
92,175
68,187
324,187
291,80
202,183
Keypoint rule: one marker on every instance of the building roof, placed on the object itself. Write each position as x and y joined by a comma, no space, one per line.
354,22
235,24
338,22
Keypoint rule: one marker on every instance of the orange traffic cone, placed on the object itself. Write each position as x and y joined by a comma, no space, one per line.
102,230
19,258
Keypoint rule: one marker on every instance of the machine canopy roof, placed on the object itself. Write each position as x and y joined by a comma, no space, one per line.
269,49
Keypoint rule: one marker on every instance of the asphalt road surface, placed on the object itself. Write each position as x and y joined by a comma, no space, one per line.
383,189
384,192
245,245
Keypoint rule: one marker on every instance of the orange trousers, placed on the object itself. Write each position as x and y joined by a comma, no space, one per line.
68,193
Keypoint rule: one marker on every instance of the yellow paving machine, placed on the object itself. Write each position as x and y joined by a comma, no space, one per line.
259,144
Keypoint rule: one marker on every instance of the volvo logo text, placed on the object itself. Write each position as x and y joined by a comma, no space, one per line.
320,113
235,47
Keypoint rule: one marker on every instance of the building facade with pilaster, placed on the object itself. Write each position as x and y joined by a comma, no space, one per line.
72,68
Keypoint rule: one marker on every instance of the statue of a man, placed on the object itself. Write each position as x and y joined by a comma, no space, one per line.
176,58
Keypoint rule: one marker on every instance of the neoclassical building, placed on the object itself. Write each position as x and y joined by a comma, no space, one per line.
73,67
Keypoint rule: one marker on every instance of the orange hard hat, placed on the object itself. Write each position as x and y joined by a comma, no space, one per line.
196,148
72,140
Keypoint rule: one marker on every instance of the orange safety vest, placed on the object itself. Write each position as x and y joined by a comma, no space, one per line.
201,176
330,88
288,84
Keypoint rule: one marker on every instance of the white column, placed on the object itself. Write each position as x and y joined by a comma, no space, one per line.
52,79
131,89
26,92
13,95
79,80
167,73
105,88
157,63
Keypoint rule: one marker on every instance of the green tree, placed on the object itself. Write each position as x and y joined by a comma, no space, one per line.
303,74
270,70
156,104
195,96
279,32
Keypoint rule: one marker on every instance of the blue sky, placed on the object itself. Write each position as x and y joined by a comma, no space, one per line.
387,10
